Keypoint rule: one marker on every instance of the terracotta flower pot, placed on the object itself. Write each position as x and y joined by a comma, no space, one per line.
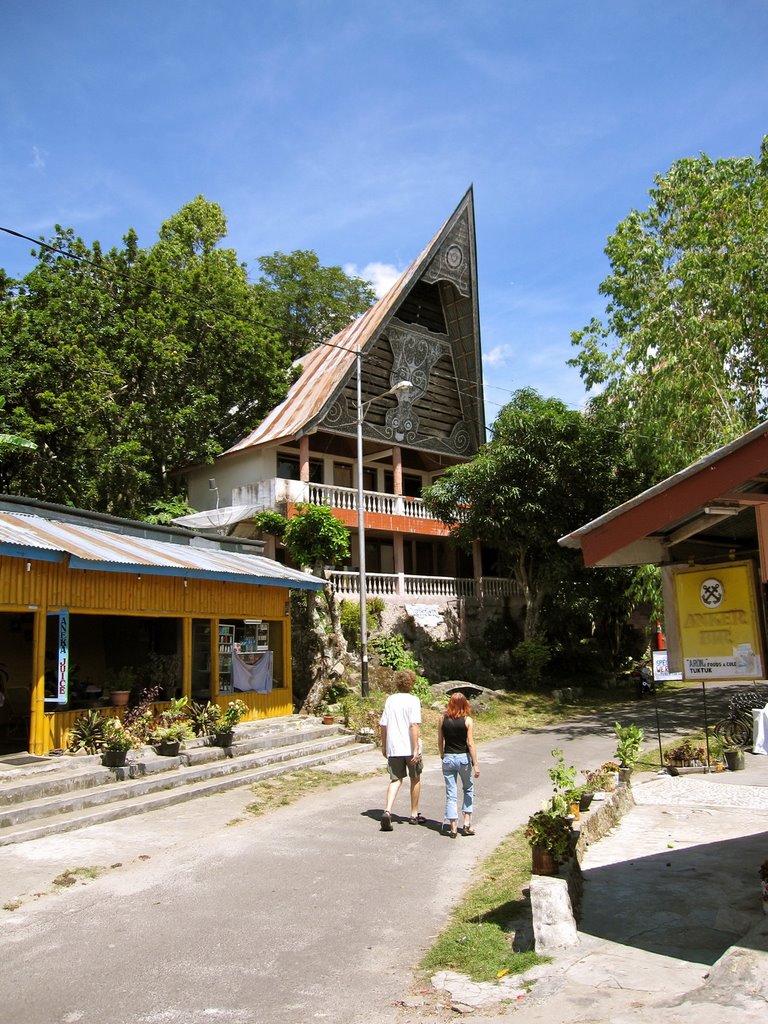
119,698
542,862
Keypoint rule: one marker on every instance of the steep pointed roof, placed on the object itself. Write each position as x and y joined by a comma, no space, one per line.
313,399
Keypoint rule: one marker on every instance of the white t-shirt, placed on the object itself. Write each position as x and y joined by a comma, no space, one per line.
401,710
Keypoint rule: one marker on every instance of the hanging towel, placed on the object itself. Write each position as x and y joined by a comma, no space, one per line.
253,678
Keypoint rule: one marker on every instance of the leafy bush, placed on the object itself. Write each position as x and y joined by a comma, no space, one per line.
392,653
529,659
349,615
422,691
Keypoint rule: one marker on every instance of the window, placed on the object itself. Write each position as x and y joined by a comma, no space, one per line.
288,469
411,484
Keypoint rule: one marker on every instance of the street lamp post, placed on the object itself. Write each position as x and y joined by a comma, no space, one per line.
403,385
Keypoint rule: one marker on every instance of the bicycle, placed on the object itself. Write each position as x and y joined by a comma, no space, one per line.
735,730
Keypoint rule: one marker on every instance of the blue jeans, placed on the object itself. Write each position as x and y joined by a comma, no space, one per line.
457,766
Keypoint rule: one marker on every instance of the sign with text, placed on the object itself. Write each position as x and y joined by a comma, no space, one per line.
61,694
719,625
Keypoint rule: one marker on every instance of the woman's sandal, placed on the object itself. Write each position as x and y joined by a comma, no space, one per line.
417,819
467,831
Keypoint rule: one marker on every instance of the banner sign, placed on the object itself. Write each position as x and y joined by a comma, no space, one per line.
61,695
661,671
719,624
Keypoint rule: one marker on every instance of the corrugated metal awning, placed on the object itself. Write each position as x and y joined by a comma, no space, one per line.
84,547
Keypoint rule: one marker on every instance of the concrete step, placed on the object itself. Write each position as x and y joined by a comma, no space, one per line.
75,791
142,803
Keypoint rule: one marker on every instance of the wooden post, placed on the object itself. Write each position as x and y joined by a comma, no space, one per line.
37,740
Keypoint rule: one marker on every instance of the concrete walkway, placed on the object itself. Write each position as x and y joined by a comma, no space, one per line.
199,913
672,925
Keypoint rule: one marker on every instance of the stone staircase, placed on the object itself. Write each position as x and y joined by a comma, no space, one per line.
44,795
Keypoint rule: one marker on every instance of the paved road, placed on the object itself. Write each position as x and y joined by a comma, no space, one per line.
308,914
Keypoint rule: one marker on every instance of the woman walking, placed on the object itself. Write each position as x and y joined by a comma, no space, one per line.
456,743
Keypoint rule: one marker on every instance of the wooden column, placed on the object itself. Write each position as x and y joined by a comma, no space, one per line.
186,658
397,470
304,459
37,738
761,519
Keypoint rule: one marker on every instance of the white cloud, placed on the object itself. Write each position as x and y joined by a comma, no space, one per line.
380,275
497,356
38,159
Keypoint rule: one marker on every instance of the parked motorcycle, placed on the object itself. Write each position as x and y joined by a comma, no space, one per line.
645,685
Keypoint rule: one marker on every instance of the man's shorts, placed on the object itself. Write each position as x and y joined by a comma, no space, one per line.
398,766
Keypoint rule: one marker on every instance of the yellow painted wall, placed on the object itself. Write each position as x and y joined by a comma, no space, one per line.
43,587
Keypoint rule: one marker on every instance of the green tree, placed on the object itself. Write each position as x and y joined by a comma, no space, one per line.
547,470
682,352
306,302
315,537
125,366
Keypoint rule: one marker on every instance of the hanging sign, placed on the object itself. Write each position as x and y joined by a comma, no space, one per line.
719,626
61,695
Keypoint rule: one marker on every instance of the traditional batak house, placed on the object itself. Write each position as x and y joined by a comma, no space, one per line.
409,369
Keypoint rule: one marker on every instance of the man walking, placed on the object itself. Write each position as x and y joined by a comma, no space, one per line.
400,727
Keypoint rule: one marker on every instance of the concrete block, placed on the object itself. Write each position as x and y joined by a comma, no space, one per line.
554,924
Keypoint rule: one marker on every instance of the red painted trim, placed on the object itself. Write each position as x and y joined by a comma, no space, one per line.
677,501
385,523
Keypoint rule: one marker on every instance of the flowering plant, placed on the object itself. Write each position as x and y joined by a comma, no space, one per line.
117,737
596,780
231,715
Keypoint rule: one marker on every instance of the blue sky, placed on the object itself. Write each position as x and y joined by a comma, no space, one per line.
353,127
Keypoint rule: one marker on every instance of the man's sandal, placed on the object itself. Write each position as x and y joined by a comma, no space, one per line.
386,822
417,819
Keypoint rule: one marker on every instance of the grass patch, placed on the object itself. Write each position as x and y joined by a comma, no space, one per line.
491,921
287,789
73,875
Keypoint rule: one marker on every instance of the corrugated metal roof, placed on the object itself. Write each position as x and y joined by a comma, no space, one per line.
84,547
327,366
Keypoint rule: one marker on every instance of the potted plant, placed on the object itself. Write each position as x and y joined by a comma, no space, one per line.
551,839
734,758
610,772
685,755
87,732
116,743
228,718
120,682
172,728
629,739
595,781
203,717
167,739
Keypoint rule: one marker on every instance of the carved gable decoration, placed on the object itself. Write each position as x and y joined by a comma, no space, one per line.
452,261
409,352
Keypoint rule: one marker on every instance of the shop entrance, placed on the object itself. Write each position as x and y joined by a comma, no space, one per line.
15,680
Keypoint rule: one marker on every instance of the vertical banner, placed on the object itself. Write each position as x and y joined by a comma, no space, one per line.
61,695
719,624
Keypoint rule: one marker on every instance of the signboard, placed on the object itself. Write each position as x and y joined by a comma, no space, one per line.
61,696
661,671
719,624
